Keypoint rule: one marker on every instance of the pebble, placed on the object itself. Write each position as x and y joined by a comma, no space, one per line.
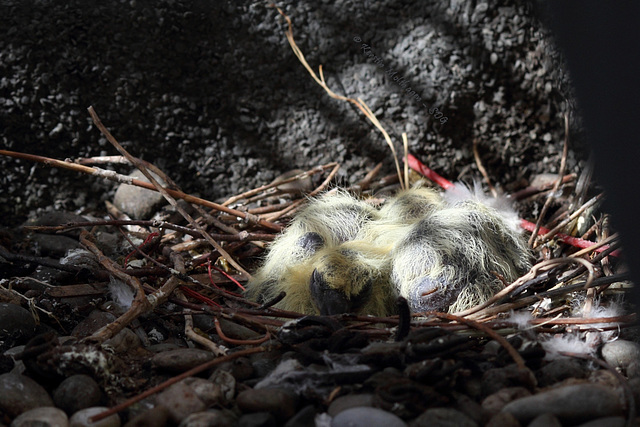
211,418
181,401
503,419
19,393
83,416
366,417
443,417
571,404
90,324
305,417
560,369
17,323
124,341
494,403
54,245
509,376
226,383
349,401
544,420
137,202
279,402
156,417
182,359
259,419
621,354
206,391
240,368
605,422
77,392
41,417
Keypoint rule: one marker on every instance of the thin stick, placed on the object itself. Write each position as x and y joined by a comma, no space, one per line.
483,171
357,102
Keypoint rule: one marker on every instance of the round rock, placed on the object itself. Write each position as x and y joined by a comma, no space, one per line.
181,359
571,404
496,401
16,322
349,401
212,418
181,401
366,417
42,417
621,353
443,417
77,392
279,402
137,202
19,393
82,418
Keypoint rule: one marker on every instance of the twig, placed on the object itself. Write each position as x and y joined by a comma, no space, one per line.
483,171
563,163
357,102
171,381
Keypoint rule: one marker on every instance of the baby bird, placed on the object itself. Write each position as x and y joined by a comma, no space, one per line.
341,255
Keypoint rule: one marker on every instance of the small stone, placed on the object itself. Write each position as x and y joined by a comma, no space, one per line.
54,245
137,202
82,418
279,402
503,419
560,369
496,379
366,417
571,404
156,417
90,324
544,420
181,401
258,419
349,401
124,341
226,383
77,392
16,323
494,403
621,354
211,418
41,417
605,422
19,393
305,417
206,391
182,359
443,417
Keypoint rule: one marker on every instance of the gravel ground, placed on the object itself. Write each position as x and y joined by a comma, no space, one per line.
212,93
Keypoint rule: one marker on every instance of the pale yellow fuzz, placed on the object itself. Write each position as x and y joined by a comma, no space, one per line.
439,254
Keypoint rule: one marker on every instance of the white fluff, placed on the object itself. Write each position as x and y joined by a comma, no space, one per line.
555,345
121,294
520,319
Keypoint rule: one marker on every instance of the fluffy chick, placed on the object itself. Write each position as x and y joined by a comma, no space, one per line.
310,244
342,255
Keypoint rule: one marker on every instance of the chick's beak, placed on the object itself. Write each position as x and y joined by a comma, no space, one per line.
329,301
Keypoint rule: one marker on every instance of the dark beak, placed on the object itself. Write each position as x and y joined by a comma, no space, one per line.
328,300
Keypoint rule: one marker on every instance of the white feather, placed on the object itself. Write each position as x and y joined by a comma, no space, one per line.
121,294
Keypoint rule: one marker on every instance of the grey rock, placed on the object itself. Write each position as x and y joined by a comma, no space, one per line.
156,417
366,417
544,420
279,402
181,401
19,393
16,322
560,369
181,360
211,418
572,404
503,419
349,401
41,417
226,383
54,245
443,417
496,379
123,341
82,418
77,392
494,403
605,422
258,419
137,202
90,324
207,391
621,354
305,417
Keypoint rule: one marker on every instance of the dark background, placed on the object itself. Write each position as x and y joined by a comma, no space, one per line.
212,93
